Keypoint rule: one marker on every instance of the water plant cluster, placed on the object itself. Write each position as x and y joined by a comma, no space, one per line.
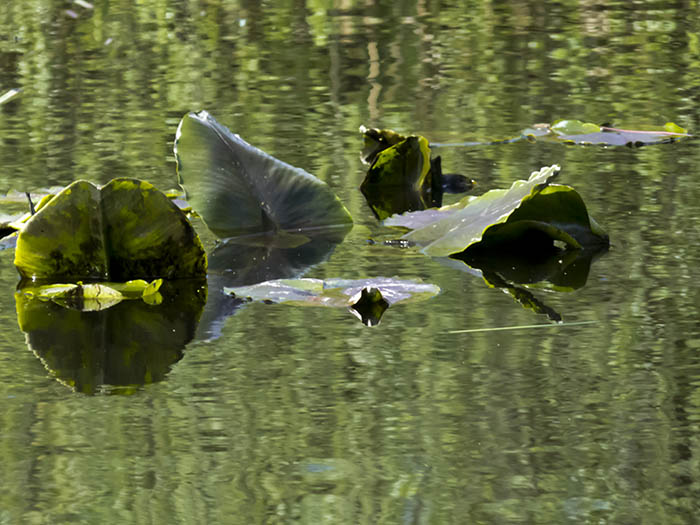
85,250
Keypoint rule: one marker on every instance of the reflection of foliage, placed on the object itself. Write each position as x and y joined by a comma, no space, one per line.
493,429
130,344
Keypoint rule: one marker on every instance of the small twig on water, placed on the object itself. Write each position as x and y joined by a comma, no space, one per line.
519,327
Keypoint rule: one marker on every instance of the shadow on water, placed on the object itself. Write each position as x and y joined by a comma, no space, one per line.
255,259
531,262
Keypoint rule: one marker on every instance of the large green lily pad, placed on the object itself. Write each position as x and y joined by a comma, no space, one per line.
125,230
529,209
238,189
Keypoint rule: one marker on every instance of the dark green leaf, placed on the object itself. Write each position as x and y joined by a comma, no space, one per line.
238,189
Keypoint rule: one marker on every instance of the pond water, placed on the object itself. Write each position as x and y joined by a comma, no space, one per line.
283,414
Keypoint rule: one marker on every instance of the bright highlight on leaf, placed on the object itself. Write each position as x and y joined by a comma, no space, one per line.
504,216
584,133
93,297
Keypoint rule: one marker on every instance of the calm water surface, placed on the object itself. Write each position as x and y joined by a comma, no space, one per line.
280,414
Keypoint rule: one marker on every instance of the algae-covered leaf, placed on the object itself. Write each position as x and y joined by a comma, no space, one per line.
126,229
376,140
400,179
533,206
147,235
66,238
117,349
238,189
366,298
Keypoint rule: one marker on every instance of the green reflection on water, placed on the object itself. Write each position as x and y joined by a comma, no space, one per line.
304,415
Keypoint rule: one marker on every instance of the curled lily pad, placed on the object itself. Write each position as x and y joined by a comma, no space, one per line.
376,140
238,189
528,207
404,177
367,298
127,229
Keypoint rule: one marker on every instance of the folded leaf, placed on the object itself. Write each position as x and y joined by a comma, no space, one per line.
238,189
376,140
498,216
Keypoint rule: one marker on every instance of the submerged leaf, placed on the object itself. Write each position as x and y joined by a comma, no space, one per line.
238,189
124,230
504,216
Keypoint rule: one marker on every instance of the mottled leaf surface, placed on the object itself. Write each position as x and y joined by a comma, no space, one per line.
332,292
127,229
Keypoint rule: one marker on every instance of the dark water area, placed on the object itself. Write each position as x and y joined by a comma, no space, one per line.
276,413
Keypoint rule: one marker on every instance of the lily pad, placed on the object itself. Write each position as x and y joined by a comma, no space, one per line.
376,140
584,133
116,349
366,298
533,207
238,189
125,230
92,297
403,177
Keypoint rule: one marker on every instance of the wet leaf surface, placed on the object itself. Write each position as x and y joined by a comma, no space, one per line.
532,207
367,298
